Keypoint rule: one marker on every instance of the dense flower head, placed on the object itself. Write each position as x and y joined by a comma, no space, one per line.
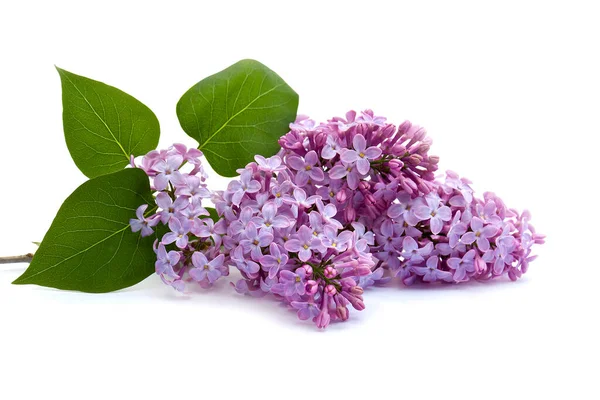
288,243
358,163
189,248
449,235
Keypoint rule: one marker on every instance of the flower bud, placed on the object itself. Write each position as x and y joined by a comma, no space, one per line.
330,290
308,269
341,196
414,159
356,290
434,159
362,270
395,164
350,214
342,313
330,272
311,287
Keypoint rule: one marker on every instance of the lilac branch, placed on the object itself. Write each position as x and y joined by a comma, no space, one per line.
16,259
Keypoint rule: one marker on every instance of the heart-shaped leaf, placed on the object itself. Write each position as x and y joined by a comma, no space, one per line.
103,125
90,246
237,113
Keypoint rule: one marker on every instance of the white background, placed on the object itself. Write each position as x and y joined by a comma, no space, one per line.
509,91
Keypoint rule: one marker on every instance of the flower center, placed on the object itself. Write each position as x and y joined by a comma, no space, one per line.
308,168
361,154
277,194
433,214
255,242
477,234
305,247
298,279
331,194
206,266
267,224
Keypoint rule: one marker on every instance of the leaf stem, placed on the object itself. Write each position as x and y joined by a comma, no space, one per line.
16,259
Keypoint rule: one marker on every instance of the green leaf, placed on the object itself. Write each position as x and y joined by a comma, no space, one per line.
103,125
237,113
90,246
213,214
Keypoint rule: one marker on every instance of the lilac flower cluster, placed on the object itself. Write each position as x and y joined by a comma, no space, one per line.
288,243
344,205
359,163
383,178
190,249
449,235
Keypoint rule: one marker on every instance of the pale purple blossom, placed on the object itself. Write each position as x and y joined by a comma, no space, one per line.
269,165
479,234
166,170
275,260
142,223
169,207
303,243
245,185
254,240
307,168
361,154
204,269
179,233
430,208
166,261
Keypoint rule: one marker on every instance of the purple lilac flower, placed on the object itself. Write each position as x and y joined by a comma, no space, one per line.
431,273
203,269
348,171
361,154
430,208
167,169
254,240
270,219
479,234
269,165
165,262
291,283
306,168
462,266
142,223
245,185
303,243
179,233
170,207
275,260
